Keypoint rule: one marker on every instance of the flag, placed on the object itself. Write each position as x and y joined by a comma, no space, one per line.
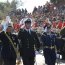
63,24
59,25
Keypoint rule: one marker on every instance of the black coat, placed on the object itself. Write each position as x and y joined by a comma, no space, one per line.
15,39
8,51
27,42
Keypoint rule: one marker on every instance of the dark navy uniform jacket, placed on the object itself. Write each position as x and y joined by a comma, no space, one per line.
59,44
8,51
48,40
49,54
27,42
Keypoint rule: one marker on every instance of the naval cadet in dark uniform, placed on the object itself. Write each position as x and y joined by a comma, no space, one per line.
48,41
8,52
62,49
28,42
59,43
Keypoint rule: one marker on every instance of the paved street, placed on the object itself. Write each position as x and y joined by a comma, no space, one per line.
41,61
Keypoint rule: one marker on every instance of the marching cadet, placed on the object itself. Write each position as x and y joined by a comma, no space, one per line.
8,51
16,44
62,33
59,43
28,39
48,41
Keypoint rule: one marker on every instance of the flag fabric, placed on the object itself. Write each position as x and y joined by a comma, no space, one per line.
16,26
59,25
63,24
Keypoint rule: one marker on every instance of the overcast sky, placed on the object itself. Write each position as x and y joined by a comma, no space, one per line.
30,4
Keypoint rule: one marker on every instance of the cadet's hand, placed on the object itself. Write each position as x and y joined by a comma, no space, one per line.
38,51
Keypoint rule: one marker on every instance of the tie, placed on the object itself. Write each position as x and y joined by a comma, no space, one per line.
29,31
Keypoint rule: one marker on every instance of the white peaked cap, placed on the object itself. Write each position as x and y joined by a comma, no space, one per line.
24,19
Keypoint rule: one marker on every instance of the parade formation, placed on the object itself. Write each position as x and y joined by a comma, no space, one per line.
43,29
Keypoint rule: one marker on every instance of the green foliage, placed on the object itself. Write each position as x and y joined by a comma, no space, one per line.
7,7
13,5
54,1
57,1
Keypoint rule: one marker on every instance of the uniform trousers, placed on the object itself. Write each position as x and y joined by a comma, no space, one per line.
28,57
50,56
10,62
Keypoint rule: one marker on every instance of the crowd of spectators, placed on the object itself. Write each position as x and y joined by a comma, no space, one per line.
41,15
